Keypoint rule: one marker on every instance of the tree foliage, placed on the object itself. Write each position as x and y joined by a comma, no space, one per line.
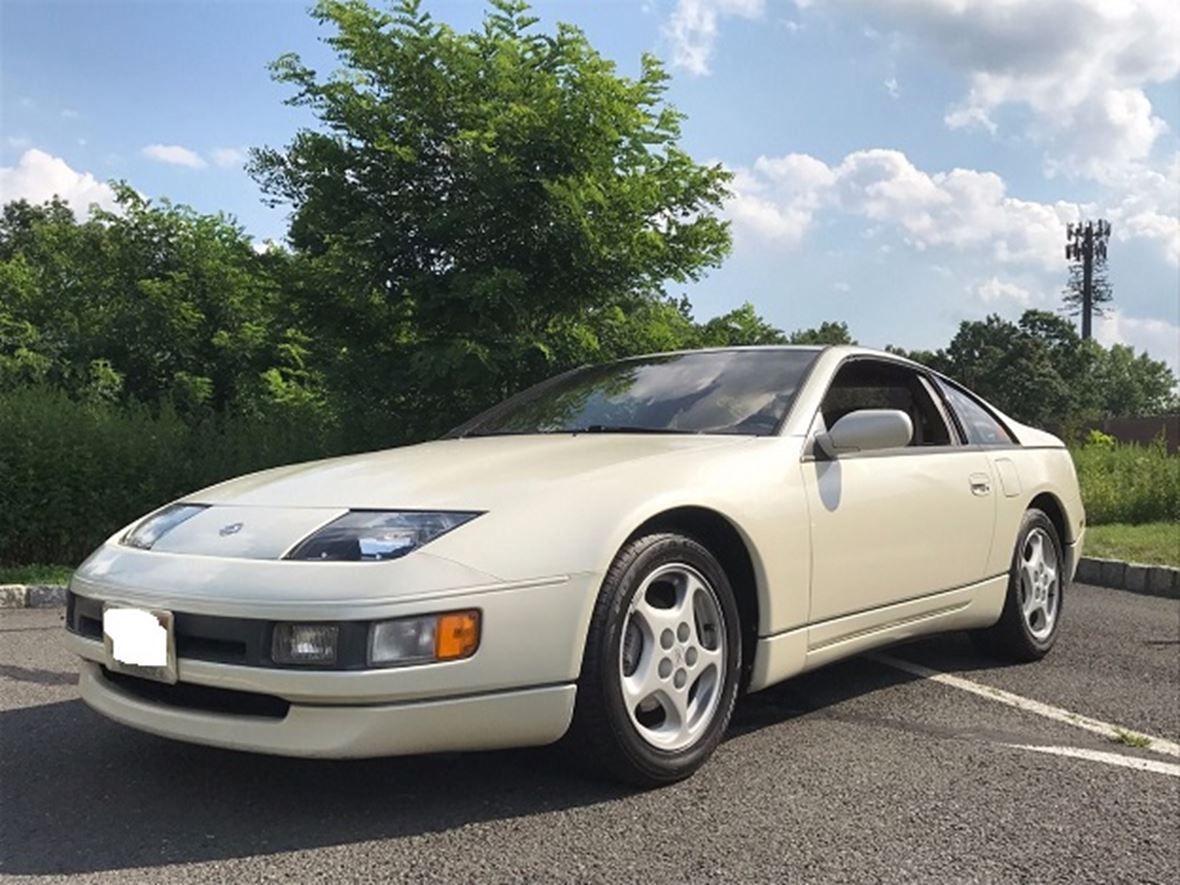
477,209
1040,371
825,333
153,303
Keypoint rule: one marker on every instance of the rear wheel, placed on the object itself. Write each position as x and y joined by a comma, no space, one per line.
660,673
1028,626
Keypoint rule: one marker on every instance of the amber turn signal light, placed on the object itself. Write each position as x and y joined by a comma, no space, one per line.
457,636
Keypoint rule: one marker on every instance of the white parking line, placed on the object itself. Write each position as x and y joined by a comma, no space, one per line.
1136,762
1106,729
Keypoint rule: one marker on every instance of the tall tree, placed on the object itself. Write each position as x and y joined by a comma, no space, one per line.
476,209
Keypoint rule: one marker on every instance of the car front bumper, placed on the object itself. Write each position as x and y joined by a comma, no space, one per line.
519,718
516,690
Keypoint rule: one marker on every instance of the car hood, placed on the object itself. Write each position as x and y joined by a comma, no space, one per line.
466,474
261,516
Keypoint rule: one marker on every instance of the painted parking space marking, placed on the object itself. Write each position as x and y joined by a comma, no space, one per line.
1059,714
1136,762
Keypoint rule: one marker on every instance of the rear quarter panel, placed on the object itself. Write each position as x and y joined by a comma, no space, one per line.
1042,467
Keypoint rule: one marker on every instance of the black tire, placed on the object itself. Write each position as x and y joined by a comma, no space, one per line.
1011,638
603,737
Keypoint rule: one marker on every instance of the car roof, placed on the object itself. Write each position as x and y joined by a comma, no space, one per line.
849,349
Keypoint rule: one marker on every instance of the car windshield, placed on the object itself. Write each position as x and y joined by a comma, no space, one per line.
744,392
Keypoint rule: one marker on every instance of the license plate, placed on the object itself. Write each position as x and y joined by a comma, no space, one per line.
139,642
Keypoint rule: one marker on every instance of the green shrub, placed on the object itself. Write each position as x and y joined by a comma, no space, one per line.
1128,483
1100,440
72,473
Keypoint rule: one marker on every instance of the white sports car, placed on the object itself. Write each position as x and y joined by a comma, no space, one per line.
611,556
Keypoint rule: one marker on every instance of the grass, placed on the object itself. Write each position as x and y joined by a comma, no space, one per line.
1130,739
35,574
1128,484
1154,543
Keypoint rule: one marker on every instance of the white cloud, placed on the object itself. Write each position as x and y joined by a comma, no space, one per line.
38,177
174,155
1157,337
841,286
691,30
1080,66
1149,207
227,157
17,141
995,289
892,88
779,197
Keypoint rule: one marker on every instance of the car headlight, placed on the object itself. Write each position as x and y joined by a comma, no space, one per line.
377,535
148,531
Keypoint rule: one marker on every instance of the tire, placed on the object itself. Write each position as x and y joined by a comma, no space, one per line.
662,663
1028,625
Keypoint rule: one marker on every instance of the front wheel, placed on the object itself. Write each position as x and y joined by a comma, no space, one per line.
663,655
1028,626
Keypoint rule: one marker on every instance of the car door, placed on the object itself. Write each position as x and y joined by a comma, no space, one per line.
894,525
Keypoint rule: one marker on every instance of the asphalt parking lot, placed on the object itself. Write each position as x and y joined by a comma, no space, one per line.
863,771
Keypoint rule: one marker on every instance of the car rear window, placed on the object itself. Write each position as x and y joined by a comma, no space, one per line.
980,425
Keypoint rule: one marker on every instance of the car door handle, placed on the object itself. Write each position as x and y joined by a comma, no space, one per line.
981,484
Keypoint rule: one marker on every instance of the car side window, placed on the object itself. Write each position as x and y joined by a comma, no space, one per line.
980,425
876,384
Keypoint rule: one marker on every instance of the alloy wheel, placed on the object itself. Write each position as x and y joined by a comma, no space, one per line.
673,656
1040,592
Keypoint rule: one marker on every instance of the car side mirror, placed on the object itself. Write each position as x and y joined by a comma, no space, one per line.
866,430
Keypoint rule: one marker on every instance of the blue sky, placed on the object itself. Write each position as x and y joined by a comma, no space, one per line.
902,165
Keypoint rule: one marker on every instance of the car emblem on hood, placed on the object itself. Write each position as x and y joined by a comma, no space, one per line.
232,529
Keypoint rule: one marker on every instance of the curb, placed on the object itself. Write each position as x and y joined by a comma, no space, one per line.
32,595
1134,577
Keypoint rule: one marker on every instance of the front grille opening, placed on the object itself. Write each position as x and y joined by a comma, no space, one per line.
188,696
208,648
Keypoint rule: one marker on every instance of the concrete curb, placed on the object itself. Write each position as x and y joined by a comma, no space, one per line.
1134,577
32,595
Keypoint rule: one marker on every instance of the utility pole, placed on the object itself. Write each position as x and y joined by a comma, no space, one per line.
1088,289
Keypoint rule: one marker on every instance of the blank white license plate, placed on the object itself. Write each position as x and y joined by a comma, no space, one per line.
139,642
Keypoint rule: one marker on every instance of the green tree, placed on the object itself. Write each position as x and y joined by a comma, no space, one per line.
477,209
1040,371
826,333
1134,384
740,327
152,302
